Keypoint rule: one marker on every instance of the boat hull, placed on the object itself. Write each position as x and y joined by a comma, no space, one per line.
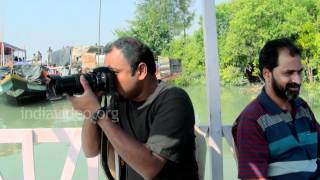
23,91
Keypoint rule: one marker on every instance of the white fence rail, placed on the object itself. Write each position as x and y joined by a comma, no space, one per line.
29,137
72,137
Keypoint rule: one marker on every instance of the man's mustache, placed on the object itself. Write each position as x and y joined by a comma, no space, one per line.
293,85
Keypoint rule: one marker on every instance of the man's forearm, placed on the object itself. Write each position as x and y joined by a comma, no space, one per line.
90,138
134,153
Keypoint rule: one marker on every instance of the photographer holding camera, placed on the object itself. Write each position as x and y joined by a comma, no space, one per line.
155,134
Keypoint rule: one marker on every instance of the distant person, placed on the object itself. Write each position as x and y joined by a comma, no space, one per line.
39,56
155,137
277,135
49,59
34,57
9,63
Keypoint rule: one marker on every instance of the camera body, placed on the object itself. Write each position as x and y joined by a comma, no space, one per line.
101,79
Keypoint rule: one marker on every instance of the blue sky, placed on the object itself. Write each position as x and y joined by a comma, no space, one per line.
38,25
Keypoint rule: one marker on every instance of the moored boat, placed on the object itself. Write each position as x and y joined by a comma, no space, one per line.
23,91
4,84
25,84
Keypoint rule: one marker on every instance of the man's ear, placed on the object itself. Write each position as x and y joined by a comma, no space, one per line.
266,73
142,71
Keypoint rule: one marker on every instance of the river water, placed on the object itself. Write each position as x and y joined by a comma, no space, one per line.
46,114
58,114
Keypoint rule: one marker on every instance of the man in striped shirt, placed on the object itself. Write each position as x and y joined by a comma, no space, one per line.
277,135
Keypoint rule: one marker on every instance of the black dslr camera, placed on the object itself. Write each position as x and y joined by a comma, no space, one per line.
101,79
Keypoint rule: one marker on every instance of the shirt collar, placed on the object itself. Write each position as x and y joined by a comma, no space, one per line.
162,86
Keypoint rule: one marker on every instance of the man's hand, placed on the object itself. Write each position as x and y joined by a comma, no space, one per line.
88,102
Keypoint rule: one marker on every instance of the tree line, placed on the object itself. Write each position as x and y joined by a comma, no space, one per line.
243,28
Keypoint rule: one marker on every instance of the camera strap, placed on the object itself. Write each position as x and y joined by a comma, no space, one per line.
111,162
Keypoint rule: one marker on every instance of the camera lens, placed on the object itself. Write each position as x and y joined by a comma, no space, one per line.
101,79
68,84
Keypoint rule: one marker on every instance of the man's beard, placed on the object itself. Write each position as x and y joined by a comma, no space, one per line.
284,92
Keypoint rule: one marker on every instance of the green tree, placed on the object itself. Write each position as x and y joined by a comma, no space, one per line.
185,16
192,57
158,22
245,25
309,40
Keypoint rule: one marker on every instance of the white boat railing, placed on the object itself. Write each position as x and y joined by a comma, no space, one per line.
29,137
72,137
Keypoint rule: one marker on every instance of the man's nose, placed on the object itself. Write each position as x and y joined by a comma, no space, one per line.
296,78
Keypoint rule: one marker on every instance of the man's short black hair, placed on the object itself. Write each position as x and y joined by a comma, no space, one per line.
269,54
135,52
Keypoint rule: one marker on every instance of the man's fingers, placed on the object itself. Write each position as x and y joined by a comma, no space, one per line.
84,83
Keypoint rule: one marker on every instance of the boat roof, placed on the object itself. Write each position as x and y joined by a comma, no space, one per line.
7,45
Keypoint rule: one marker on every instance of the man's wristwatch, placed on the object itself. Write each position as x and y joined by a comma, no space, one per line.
100,113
